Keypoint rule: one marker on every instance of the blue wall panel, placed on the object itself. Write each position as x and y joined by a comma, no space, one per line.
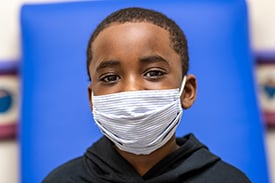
56,123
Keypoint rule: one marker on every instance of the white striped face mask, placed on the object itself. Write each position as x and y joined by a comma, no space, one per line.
139,122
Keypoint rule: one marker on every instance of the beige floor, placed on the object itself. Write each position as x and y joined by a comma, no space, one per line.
270,143
9,168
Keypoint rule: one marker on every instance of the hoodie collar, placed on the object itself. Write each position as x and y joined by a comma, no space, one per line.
106,163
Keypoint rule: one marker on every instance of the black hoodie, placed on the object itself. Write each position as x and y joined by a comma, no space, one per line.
192,162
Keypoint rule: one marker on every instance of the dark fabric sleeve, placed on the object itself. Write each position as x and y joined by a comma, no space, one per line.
70,172
220,172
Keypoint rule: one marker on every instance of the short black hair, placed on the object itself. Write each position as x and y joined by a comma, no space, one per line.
134,14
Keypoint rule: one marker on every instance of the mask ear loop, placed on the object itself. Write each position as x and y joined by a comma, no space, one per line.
92,98
182,85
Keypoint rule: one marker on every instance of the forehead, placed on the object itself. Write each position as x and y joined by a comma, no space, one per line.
137,23
132,29
132,35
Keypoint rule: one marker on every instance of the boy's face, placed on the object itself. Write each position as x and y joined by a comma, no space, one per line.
133,56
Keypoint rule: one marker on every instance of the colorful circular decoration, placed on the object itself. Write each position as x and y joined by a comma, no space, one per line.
8,105
266,83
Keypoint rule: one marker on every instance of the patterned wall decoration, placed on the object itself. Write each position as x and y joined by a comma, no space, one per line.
9,99
266,81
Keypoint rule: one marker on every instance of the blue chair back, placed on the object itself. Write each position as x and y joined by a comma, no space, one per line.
56,122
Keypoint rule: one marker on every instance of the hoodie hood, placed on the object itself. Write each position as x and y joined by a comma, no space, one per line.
105,163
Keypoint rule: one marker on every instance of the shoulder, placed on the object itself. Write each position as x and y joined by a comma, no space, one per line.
72,171
201,165
215,170
226,173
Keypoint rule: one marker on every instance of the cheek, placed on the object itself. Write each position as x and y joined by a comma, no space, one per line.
99,89
170,82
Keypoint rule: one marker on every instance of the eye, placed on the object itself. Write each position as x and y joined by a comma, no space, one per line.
110,79
154,74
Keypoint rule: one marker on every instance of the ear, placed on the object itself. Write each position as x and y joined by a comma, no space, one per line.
90,95
189,94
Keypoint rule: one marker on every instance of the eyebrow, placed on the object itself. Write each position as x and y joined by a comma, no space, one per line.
107,63
145,60
153,59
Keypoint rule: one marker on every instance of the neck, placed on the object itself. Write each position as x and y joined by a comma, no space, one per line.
143,163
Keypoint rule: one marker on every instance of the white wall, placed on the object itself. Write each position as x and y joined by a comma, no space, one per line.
262,35
9,50
262,23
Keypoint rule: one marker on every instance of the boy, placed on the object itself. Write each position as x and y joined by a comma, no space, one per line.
137,60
